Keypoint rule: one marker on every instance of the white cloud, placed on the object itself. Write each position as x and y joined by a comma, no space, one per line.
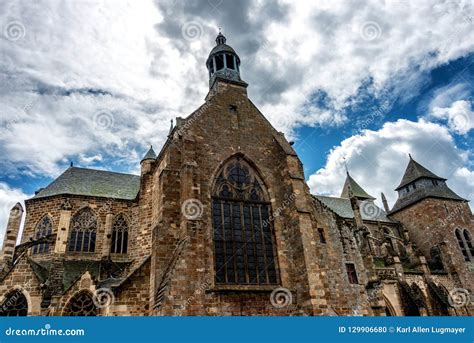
8,198
459,115
377,159
132,60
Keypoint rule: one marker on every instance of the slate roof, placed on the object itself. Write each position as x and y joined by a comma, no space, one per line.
150,155
356,189
414,172
91,182
41,269
440,191
342,207
222,47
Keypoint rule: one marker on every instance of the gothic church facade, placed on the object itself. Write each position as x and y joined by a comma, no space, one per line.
222,222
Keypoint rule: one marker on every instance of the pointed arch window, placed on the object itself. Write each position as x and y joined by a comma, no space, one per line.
82,304
83,231
119,236
465,244
14,305
43,229
243,230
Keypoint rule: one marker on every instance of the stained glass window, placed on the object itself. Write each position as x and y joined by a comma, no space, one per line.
83,231
82,304
119,236
15,304
44,228
243,230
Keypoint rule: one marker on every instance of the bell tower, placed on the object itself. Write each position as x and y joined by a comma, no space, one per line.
223,63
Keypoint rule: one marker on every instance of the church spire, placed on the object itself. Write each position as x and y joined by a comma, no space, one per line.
352,188
223,63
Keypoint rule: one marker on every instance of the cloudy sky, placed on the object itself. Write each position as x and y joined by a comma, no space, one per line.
97,82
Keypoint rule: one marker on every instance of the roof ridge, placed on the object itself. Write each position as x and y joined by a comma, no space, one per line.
99,170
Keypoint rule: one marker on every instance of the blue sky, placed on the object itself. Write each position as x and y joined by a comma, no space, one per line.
97,82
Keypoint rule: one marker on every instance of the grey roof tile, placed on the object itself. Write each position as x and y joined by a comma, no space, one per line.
356,189
440,191
150,155
91,182
342,207
414,172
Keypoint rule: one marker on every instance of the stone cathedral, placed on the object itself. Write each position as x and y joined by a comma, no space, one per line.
222,222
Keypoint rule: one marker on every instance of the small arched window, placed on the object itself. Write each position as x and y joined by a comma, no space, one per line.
119,236
83,231
81,304
243,230
465,244
467,238
14,305
43,229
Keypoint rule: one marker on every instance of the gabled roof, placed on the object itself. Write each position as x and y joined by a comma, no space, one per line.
414,172
355,188
342,207
150,155
91,182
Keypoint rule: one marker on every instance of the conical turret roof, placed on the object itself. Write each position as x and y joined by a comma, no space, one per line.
414,172
351,186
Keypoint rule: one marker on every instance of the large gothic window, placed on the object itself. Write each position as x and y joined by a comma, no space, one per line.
83,231
243,231
14,305
119,236
82,304
44,228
